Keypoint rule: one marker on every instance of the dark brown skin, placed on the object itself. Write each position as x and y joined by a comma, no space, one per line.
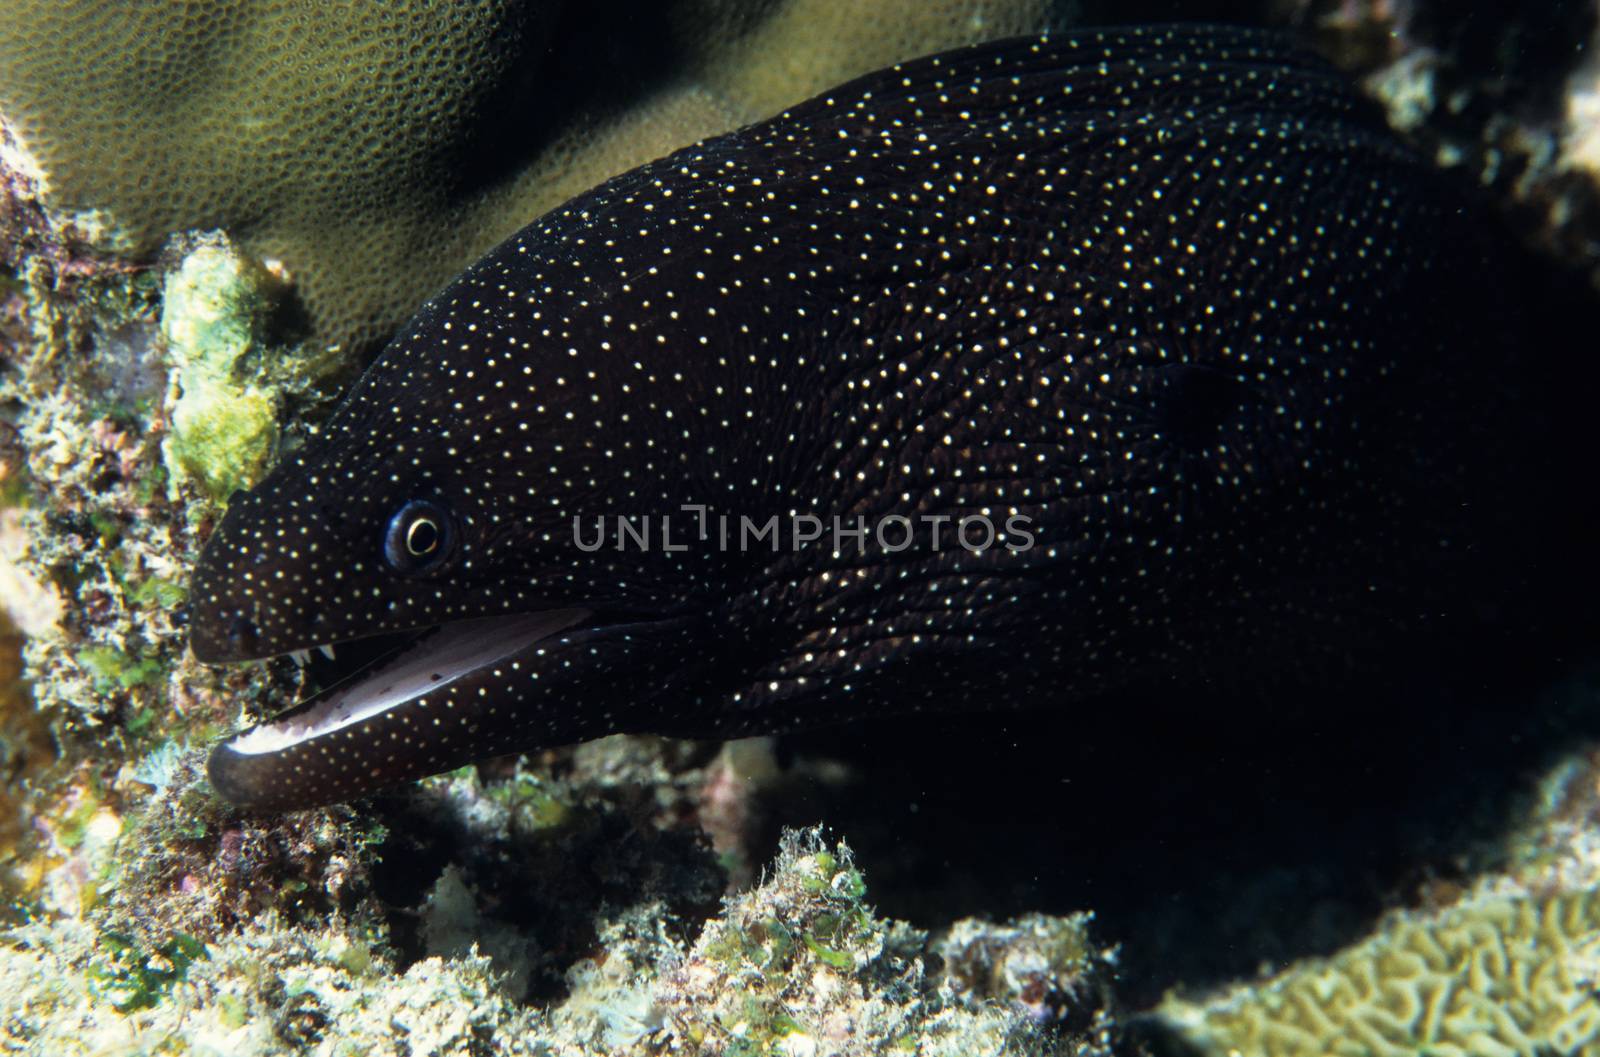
1175,297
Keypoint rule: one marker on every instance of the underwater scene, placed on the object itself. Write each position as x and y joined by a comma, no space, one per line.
939,528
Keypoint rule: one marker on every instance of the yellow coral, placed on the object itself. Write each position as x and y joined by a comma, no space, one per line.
1497,976
376,150
808,46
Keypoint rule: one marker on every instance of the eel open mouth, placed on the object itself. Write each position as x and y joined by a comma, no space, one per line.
426,662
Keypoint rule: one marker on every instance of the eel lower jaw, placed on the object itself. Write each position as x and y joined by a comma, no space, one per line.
428,662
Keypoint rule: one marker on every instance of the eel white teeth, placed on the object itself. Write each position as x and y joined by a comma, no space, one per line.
301,657
327,651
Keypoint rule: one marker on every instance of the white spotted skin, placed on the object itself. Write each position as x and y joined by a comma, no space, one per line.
1173,294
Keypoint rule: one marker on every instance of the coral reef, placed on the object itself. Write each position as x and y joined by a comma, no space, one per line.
1494,974
95,541
1505,92
572,903
69,990
588,830
422,136
185,867
799,965
1049,966
1507,100
1506,964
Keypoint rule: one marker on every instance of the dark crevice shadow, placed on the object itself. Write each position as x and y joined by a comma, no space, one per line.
1219,832
545,889
1213,835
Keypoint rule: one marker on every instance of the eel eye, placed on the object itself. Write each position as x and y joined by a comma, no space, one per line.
419,537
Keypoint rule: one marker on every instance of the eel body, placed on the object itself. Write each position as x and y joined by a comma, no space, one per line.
1009,376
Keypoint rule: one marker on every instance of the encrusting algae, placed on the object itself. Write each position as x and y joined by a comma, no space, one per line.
223,428
798,966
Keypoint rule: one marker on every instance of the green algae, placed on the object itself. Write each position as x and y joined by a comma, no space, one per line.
162,592
131,978
534,805
224,422
110,669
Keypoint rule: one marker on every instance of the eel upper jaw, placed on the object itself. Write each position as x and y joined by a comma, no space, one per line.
430,661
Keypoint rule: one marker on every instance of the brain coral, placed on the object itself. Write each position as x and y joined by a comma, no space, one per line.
1501,976
375,149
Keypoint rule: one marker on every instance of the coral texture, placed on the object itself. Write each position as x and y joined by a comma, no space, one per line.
374,152
802,966
798,967
1497,975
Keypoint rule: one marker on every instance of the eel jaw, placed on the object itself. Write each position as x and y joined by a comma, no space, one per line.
429,663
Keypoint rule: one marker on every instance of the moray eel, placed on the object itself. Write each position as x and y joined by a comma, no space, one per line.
1132,358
